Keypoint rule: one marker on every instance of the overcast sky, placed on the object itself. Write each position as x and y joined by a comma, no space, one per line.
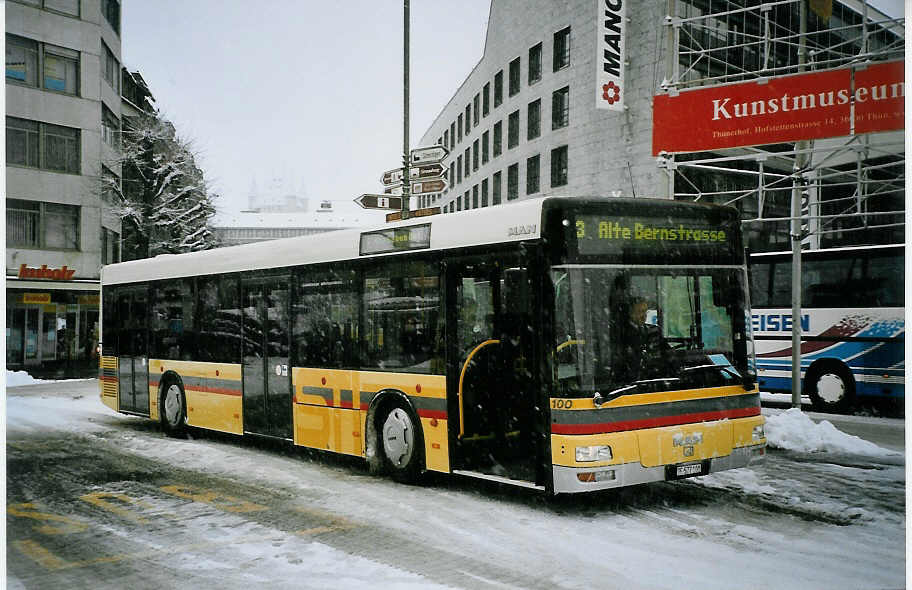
310,91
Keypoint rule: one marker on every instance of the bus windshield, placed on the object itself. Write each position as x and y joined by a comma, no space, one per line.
626,330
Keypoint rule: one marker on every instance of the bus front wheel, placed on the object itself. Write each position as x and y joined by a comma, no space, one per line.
173,410
401,443
831,387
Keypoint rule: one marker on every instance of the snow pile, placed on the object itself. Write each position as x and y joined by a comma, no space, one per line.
793,430
14,378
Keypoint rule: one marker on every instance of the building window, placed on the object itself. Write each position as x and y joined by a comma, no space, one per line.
559,166
466,162
34,224
485,155
562,49
458,204
68,7
110,128
111,11
486,100
465,199
42,145
458,169
59,66
533,126
484,192
513,130
468,119
459,126
452,135
476,105
512,182
498,138
514,77
532,169
110,246
110,69
498,88
475,156
535,64
452,176
475,197
560,108
446,138
495,188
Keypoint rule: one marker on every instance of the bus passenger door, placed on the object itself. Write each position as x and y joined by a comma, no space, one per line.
266,371
132,351
487,372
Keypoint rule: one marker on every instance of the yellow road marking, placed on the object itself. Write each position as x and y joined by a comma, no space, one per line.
99,499
29,510
226,503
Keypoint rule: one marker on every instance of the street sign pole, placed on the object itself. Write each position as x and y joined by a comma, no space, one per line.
405,112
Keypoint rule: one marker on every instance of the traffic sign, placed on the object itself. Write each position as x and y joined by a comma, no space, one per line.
431,153
371,201
423,171
391,176
428,186
393,190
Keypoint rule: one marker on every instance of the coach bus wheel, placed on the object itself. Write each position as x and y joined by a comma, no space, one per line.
830,387
172,409
402,444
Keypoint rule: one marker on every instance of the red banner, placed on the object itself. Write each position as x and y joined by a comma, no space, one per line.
778,110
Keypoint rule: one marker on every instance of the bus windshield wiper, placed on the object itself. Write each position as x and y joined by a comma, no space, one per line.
599,400
728,370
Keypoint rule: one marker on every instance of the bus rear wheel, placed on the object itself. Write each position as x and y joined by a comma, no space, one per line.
831,387
402,444
173,409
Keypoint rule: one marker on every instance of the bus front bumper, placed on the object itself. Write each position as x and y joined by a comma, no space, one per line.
568,480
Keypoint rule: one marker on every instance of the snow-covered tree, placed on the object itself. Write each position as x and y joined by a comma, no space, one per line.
164,201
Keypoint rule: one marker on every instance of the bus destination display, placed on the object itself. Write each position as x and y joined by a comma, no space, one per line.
599,234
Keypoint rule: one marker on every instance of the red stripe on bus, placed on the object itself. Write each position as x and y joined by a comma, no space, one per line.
108,379
439,414
652,422
221,390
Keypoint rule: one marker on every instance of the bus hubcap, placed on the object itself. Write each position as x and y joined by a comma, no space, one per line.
398,437
830,388
172,405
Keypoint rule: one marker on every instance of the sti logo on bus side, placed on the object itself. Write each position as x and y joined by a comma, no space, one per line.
778,322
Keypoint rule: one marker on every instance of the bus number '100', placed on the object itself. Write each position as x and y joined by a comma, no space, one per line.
561,404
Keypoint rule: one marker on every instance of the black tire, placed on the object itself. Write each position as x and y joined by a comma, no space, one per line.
831,387
401,443
173,408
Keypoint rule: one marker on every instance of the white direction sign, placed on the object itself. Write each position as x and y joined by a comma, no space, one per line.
393,190
391,176
430,171
432,153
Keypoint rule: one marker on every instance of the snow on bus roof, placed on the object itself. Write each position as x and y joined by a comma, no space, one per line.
476,227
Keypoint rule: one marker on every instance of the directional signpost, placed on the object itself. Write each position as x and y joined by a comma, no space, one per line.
371,201
432,153
428,186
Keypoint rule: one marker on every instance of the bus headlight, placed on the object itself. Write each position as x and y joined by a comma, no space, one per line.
593,453
758,433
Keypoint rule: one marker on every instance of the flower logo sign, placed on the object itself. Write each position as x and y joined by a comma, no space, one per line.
611,92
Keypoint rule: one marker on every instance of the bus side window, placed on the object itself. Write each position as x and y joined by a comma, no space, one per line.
324,318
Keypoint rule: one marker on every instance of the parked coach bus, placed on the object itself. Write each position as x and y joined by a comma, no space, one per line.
494,343
852,324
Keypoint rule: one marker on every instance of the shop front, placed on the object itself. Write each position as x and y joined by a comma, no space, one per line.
52,327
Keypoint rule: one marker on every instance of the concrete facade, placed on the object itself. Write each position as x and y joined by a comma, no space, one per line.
52,317
609,153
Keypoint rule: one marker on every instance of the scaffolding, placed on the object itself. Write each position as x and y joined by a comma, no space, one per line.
851,188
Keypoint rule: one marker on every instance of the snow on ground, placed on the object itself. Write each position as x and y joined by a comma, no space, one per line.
16,378
740,544
793,430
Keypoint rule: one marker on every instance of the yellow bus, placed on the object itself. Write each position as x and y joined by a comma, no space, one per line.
564,344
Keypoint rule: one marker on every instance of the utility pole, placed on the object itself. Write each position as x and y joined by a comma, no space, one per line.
406,173
799,187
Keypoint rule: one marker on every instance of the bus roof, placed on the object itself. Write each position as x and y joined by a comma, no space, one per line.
825,251
520,221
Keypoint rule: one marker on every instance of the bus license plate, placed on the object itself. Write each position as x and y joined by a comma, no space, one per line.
688,470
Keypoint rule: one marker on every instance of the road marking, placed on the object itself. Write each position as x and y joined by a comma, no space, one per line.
29,510
100,499
336,522
42,556
226,503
